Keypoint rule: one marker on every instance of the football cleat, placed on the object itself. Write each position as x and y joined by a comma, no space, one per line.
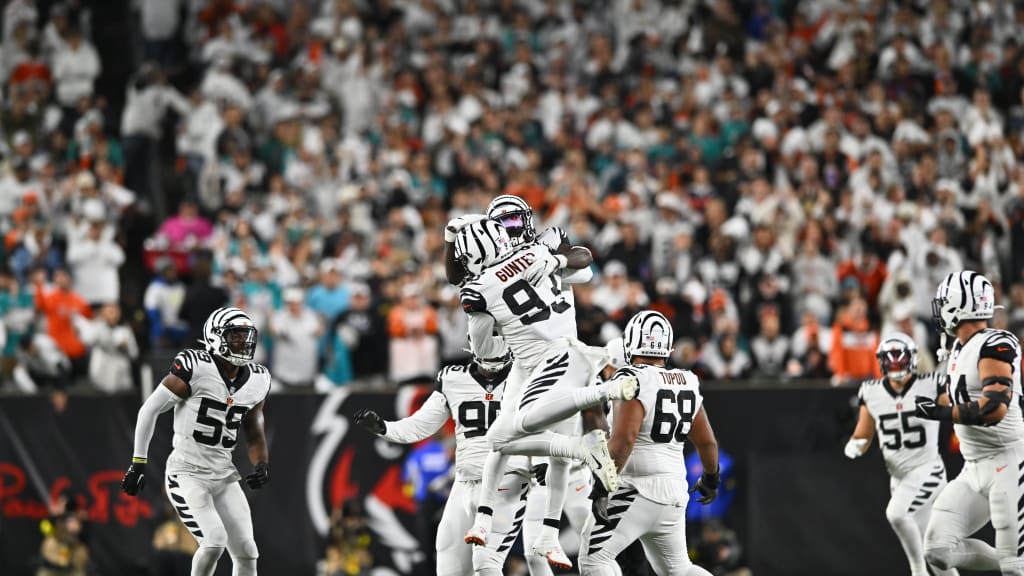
554,553
595,444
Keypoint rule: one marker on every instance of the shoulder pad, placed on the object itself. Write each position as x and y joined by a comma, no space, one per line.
1000,345
186,361
258,368
472,300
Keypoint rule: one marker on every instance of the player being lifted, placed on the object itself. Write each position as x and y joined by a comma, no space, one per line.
981,395
471,394
648,433
214,392
909,444
539,325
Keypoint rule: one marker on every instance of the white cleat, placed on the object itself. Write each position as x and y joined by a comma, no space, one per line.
554,553
595,444
476,535
624,388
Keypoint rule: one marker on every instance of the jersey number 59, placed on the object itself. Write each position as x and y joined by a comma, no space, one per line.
208,416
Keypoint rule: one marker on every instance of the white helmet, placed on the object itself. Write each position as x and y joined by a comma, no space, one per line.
481,244
897,356
648,333
498,360
962,296
229,333
516,216
616,351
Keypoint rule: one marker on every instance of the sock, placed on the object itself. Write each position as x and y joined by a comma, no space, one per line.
204,561
557,405
558,485
494,469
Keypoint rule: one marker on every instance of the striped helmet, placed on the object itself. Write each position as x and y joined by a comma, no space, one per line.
516,216
481,244
648,333
897,356
962,296
229,333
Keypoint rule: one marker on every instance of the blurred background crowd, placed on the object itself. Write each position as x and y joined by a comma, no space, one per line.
784,179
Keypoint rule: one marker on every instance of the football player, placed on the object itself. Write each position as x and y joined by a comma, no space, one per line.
471,394
909,444
214,392
539,325
647,438
981,395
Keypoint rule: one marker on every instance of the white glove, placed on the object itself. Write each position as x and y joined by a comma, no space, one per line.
545,266
451,230
855,448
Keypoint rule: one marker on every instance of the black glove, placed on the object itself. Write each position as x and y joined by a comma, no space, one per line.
927,408
599,504
540,473
371,421
134,479
260,477
707,485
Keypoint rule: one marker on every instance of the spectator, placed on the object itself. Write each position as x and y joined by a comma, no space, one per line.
724,360
868,269
17,314
296,331
60,307
330,297
770,348
95,260
76,65
173,543
412,325
360,344
852,355
612,293
162,302
348,548
453,327
187,229
41,366
201,298
160,20
112,350
63,553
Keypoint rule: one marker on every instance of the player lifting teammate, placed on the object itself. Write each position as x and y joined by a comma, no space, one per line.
213,392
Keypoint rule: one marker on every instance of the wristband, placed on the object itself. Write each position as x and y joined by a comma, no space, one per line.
138,460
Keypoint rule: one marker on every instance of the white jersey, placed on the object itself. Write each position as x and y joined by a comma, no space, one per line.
206,423
907,442
473,401
671,399
964,385
527,316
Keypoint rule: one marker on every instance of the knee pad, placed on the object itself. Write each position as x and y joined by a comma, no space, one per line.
247,549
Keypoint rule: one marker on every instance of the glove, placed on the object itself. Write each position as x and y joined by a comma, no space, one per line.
927,408
540,473
599,501
451,230
707,485
261,476
855,448
544,267
134,479
371,421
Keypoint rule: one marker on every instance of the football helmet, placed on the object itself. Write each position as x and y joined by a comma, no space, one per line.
961,296
648,333
516,216
482,244
230,334
897,356
501,359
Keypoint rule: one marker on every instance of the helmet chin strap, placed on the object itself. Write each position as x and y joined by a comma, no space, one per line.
942,354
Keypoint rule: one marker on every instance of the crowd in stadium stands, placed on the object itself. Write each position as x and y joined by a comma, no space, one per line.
785,180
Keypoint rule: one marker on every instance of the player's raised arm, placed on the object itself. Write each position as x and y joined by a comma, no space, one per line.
422,424
172,390
259,454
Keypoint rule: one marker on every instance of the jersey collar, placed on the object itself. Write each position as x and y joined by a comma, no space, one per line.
489,384
906,387
239,381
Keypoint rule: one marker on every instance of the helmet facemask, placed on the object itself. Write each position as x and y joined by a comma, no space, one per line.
519,227
238,344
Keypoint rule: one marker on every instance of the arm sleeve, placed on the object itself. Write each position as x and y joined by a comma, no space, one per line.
581,276
423,424
481,330
160,401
